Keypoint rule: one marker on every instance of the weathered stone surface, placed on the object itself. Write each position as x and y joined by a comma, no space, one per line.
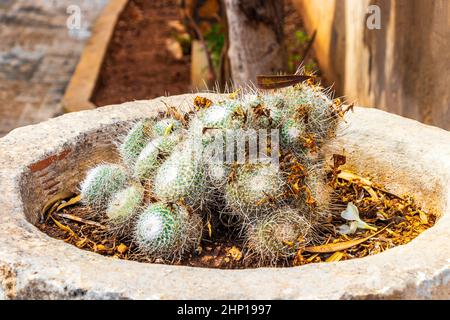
39,160
38,54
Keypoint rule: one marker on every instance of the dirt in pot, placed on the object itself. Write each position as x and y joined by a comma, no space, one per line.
394,220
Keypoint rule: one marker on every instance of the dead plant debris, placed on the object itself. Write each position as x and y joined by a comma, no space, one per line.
397,218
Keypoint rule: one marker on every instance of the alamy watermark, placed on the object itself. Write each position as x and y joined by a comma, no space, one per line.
237,146
373,20
73,22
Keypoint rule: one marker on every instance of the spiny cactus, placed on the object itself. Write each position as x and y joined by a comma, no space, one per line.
123,206
101,183
136,140
318,193
181,178
167,232
217,173
278,235
313,107
224,115
153,154
254,189
292,134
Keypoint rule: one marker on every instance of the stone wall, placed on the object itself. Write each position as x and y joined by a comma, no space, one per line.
402,67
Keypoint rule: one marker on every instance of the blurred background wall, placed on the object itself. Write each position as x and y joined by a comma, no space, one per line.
403,67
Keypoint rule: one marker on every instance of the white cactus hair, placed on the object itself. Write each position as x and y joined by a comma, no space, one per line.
123,209
278,236
101,183
167,232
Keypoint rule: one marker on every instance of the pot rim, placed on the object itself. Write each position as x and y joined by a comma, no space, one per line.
40,266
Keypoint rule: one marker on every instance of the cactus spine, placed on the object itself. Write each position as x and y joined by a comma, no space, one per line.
101,183
123,206
136,140
167,232
278,235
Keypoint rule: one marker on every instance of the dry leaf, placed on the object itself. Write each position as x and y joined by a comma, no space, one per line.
122,248
335,257
423,217
234,253
208,225
339,246
58,197
100,247
63,227
72,201
80,243
372,193
279,81
81,220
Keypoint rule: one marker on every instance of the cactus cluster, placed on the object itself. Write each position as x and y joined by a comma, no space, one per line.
170,183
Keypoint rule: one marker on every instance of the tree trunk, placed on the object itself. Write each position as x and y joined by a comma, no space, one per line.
256,38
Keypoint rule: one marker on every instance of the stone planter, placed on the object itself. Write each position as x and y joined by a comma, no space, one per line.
40,160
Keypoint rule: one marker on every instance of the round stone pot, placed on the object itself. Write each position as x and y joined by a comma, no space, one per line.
40,160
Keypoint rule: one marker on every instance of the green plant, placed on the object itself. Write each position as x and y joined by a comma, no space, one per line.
278,235
166,232
153,155
101,183
136,139
277,205
254,190
124,205
215,40
181,178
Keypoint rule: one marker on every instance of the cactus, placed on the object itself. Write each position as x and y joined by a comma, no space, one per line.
217,173
181,178
123,206
275,104
310,105
254,189
153,154
278,235
292,134
318,194
101,183
136,140
167,232
276,207
224,115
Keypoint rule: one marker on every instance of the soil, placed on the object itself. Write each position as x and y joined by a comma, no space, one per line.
138,64
398,221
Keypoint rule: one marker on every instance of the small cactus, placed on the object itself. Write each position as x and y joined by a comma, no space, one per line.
254,189
153,154
135,141
314,108
101,183
291,134
167,232
123,206
278,235
181,178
